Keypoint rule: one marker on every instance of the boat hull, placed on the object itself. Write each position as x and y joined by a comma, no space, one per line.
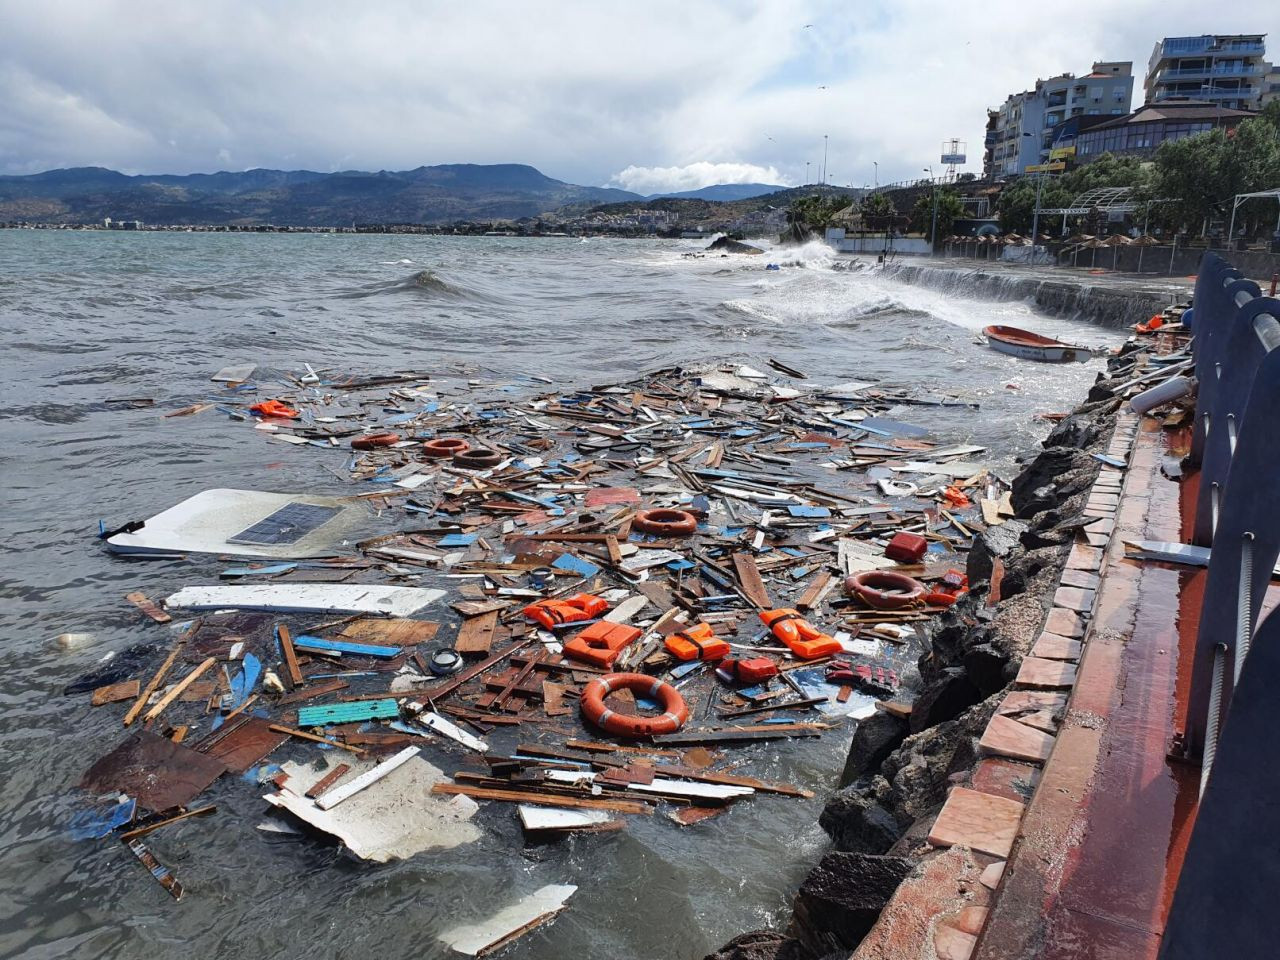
1026,345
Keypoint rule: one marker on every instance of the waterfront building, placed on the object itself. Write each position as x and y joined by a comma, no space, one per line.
1022,133
1225,69
1270,83
1141,132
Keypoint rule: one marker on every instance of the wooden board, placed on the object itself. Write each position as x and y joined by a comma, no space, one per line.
148,606
749,577
546,800
391,633
475,636
115,692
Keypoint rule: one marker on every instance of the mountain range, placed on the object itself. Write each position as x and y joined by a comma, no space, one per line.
429,194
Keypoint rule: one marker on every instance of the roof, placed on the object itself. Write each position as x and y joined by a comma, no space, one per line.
1177,110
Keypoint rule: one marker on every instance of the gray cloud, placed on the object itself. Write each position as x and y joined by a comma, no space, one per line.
582,90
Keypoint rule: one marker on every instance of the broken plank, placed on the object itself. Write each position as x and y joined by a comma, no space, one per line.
749,577
177,689
302,734
153,827
115,692
154,683
290,655
148,606
157,869
779,731
546,800
446,688
367,779
814,592
475,636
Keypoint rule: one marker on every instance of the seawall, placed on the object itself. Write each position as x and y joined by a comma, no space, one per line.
1109,301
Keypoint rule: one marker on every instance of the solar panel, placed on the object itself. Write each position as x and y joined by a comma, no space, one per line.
289,524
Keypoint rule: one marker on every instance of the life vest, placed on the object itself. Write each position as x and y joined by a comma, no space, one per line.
801,637
274,408
753,670
602,642
553,613
697,643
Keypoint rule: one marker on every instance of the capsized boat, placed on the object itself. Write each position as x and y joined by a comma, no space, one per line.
1033,346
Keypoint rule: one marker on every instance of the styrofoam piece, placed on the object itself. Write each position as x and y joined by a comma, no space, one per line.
236,373
683,788
206,522
307,598
479,939
558,818
394,820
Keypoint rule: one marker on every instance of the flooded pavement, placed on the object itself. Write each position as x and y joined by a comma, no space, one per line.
91,320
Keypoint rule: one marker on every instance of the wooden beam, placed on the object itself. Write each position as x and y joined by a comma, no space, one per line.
177,689
546,800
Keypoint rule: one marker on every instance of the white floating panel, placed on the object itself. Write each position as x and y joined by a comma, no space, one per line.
307,598
480,939
558,818
236,373
247,523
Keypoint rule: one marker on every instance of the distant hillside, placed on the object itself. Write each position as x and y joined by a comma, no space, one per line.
724,192
437,194
693,210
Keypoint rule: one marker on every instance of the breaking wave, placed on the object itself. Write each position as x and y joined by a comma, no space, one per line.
424,283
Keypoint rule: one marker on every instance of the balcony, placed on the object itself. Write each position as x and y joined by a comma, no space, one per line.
1186,46
1217,70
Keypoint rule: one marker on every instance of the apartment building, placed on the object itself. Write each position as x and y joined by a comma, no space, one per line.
1022,132
1224,69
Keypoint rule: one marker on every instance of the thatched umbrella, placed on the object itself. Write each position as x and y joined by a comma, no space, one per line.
1116,241
1146,240
1094,244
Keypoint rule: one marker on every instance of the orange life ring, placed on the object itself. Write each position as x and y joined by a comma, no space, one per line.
442,448
478,459
884,589
373,440
665,523
673,717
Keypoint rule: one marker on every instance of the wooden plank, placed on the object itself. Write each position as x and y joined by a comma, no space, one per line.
367,779
546,800
309,693
115,692
290,655
707,776
504,694
816,587
475,636
303,735
749,577
154,683
766,708
148,606
779,731
446,688
152,827
177,689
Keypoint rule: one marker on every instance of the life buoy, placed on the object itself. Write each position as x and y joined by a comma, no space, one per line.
665,523
478,459
673,717
373,440
442,448
884,589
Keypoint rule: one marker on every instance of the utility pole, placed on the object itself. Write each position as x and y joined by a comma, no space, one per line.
824,159
806,172
1035,215
876,164
933,231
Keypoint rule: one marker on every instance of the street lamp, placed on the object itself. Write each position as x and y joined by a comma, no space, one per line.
824,159
933,231
1035,214
806,172
876,164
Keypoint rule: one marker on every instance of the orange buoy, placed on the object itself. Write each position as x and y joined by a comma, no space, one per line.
674,710
665,523
884,589
478,459
373,440
442,448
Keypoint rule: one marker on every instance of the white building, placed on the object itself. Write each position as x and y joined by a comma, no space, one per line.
1224,69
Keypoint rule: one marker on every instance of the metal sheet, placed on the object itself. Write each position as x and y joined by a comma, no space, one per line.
158,773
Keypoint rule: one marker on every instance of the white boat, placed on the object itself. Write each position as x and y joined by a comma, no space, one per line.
1032,346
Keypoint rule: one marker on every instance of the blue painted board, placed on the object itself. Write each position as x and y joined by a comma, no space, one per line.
345,646
347,712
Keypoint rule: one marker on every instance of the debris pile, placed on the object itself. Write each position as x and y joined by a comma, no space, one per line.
579,604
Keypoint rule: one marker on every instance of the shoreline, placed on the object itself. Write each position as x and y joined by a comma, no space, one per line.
901,769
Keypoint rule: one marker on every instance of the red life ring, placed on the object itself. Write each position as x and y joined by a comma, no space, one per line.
665,523
674,715
478,459
442,448
374,440
884,589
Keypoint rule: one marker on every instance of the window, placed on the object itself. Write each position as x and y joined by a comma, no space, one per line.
1118,111
1094,113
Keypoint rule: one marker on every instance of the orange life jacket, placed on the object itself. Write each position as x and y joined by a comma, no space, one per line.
602,642
697,643
801,637
552,613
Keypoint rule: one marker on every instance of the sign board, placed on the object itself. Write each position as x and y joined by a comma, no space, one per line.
1061,153
953,158
1055,167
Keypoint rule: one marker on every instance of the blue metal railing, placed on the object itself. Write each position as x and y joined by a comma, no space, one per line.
1224,903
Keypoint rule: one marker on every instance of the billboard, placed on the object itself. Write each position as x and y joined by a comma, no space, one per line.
950,159
1046,167
1062,153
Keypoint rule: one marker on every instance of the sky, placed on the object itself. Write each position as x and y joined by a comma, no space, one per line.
648,95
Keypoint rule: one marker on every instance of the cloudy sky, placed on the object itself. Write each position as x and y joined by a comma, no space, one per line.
648,94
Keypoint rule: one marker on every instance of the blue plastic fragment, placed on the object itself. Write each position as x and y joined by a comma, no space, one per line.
804,510
242,685
685,669
344,646
572,564
96,822
678,565
457,540
263,772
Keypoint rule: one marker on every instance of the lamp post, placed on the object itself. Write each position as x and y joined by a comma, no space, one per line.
933,231
824,159
876,164
1035,214
806,172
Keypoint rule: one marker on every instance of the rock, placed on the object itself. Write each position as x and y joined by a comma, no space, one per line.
991,544
1033,489
857,822
729,245
944,699
874,739
841,899
986,670
760,945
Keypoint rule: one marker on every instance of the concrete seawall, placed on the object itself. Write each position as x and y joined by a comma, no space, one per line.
1106,300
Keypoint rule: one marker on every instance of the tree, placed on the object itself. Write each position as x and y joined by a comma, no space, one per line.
949,210
1018,202
816,211
1199,176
